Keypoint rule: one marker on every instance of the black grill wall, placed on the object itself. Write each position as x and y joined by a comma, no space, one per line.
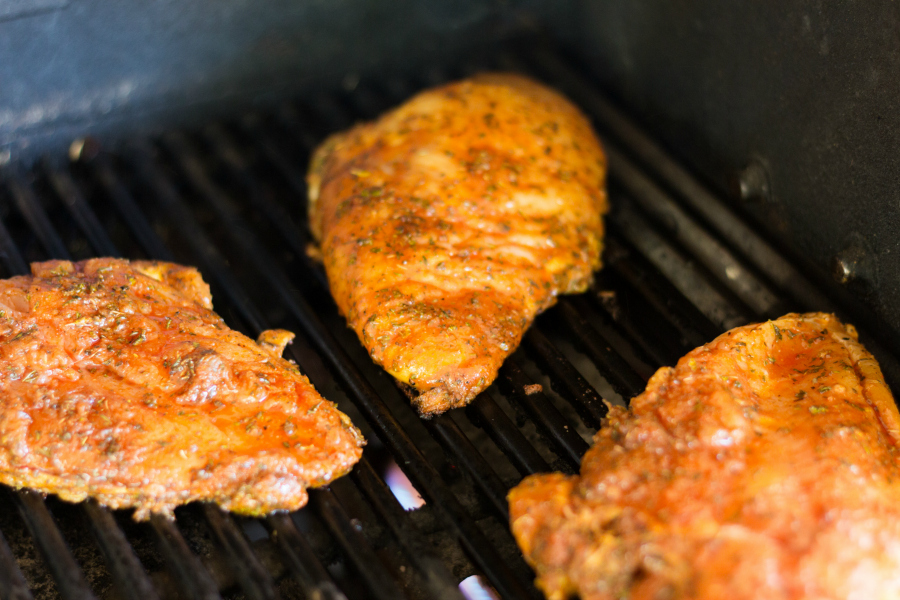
806,92
115,66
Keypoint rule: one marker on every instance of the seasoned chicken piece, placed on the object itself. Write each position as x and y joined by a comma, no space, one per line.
764,465
450,222
120,383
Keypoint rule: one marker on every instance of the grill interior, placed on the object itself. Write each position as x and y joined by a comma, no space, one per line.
229,198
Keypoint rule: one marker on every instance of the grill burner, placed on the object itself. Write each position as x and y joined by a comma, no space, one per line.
680,268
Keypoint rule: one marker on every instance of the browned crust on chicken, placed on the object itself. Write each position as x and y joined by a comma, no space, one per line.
450,222
764,465
118,382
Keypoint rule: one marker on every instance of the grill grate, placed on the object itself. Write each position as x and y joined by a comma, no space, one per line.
680,268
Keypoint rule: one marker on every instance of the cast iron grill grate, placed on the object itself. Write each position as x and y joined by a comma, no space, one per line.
229,199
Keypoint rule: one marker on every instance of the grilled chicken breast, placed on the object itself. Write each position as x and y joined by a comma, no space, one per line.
764,465
450,222
119,382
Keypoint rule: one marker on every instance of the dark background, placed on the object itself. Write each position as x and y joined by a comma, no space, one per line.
804,90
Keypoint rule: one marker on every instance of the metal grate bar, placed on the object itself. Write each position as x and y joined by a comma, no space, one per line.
12,583
385,547
487,414
617,341
127,207
31,505
294,177
651,285
295,237
731,228
687,279
385,509
30,207
298,186
301,559
354,546
616,303
125,569
10,256
713,255
738,233
679,269
563,435
254,590
200,245
130,578
124,565
174,206
613,366
251,574
253,577
451,437
566,379
365,562
193,579
423,474
370,103
238,170
65,188
68,576
437,577
669,284
290,120
39,215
